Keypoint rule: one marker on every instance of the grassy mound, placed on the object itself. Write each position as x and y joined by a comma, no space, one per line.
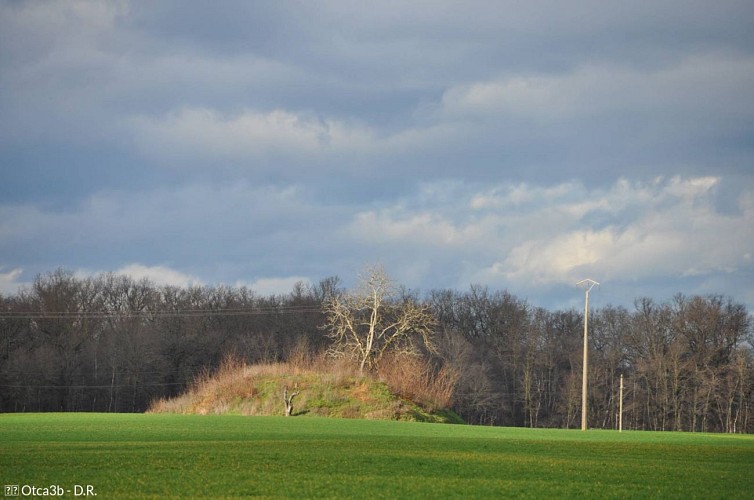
239,389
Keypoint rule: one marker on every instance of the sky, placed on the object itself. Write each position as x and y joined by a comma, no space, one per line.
522,146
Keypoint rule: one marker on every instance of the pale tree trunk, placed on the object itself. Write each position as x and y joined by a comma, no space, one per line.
373,318
288,399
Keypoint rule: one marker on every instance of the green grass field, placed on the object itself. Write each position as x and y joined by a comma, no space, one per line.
226,456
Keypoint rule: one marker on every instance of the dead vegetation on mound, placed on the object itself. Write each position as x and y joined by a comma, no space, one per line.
405,389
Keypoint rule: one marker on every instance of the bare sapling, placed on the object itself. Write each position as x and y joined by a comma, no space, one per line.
288,399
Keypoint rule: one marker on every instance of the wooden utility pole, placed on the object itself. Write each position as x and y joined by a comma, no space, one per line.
588,285
620,406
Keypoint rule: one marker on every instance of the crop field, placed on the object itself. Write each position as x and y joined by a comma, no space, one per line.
158,455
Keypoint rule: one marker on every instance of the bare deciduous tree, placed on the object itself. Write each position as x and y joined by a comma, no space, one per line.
372,321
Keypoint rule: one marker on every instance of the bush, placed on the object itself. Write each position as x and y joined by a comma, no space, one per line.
416,379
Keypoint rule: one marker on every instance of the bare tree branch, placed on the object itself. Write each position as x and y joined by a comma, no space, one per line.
288,399
369,322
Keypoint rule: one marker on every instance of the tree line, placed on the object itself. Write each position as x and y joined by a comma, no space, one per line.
114,344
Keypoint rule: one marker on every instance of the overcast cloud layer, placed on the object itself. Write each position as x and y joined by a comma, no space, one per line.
524,146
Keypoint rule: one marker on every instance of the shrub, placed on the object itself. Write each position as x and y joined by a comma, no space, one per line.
416,379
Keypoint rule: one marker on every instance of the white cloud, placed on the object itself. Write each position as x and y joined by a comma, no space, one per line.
160,275
533,236
707,86
275,286
670,229
297,148
386,226
526,237
247,135
199,233
9,283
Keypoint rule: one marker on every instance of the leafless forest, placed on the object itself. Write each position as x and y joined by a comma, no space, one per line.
113,344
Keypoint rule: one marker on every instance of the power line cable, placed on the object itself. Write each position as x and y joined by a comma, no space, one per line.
108,386
177,313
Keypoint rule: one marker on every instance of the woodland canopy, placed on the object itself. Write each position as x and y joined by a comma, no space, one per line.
110,343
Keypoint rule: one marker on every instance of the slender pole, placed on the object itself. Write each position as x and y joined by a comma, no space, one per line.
620,406
588,285
584,367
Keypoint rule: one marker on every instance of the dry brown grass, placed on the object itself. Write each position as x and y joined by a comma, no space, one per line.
239,388
210,392
416,379
232,384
